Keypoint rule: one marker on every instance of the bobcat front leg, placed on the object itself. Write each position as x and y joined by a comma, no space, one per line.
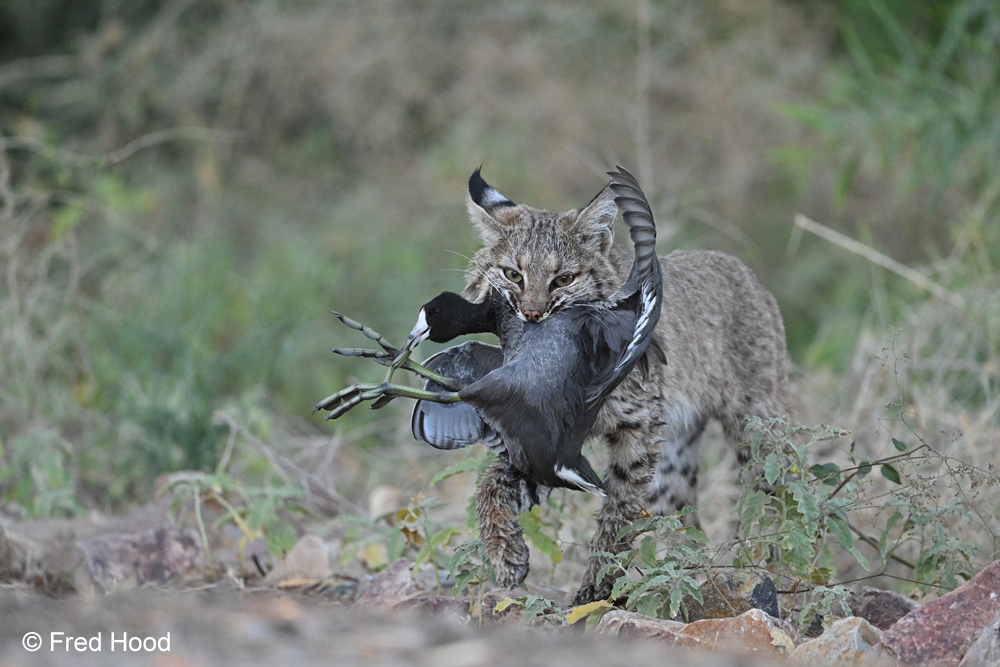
498,502
632,455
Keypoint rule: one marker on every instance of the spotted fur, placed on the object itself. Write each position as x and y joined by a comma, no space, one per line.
719,327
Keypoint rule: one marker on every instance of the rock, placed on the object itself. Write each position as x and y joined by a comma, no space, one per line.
754,632
730,593
881,608
940,633
307,561
850,642
430,578
985,651
385,500
390,586
629,624
151,557
437,605
494,597
15,558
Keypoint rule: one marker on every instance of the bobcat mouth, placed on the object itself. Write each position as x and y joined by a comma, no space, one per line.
533,317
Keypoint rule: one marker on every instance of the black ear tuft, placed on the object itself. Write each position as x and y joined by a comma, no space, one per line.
485,196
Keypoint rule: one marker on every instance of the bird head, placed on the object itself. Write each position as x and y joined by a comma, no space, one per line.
442,318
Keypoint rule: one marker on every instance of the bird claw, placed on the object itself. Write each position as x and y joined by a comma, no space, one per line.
380,357
381,402
340,403
367,331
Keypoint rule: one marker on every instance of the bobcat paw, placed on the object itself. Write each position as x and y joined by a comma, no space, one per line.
591,593
510,574
590,590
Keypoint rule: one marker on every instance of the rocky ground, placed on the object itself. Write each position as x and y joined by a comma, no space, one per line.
142,590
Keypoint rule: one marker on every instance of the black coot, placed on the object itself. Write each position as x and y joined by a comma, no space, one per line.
535,400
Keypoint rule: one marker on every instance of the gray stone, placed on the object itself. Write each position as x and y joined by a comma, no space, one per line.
850,642
755,633
985,651
940,633
437,605
730,592
630,625
390,586
155,556
881,608
307,561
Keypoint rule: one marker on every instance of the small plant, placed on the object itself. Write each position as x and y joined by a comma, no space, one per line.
789,527
823,599
388,538
425,536
475,462
532,525
535,607
256,511
667,559
809,512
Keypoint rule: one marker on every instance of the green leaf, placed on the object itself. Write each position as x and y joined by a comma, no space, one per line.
806,503
752,508
464,465
443,536
890,473
644,585
648,605
838,526
599,607
901,446
462,581
531,525
772,467
798,544
676,598
821,470
864,469
695,534
647,550
862,561
506,602
755,445
395,545
889,525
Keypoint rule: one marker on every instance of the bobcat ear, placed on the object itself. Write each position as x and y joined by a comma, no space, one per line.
594,223
486,208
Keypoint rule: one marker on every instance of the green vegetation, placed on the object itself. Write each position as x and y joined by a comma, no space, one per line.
187,188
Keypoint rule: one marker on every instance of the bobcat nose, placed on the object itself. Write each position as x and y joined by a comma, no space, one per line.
532,315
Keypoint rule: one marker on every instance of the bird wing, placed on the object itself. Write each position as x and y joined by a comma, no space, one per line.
625,330
456,425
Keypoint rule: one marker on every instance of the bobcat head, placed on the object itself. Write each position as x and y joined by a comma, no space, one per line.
541,261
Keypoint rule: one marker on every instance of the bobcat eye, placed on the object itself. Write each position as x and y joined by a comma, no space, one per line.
513,276
564,279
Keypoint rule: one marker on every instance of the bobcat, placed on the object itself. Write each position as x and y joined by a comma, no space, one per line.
721,332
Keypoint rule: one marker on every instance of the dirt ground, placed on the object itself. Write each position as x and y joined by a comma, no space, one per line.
221,626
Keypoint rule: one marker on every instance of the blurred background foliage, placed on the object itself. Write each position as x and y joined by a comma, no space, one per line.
186,188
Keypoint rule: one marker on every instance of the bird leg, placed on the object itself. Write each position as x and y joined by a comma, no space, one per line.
400,359
339,403
391,356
